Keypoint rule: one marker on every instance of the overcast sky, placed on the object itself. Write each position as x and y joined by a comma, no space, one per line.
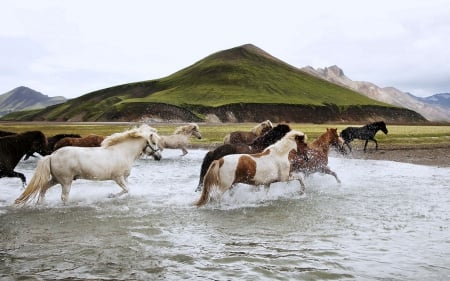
69,48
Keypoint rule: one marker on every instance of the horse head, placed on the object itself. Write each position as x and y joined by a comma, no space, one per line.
195,131
382,127
39,143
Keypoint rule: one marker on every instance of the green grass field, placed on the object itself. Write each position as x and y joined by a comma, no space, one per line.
213,134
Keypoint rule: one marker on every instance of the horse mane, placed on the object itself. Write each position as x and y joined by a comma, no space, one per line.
258,129
136,132
186,129
285,143
271,136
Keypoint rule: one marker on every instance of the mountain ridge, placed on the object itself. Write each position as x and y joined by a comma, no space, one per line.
226,80
390,95
24,98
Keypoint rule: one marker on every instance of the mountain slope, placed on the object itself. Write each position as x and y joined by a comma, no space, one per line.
388,95
23,98
226,79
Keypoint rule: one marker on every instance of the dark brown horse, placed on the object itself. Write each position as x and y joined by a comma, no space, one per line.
316,157
258,145
14,147
248,137
89,141
51,141
6,133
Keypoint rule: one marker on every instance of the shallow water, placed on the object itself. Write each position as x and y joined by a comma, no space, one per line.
386,221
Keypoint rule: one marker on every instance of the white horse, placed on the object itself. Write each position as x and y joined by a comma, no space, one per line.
248,137
180,137
111,161
274,164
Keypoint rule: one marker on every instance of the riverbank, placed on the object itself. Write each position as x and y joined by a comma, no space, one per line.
432,154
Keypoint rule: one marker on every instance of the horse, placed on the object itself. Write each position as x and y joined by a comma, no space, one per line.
271,165
180,137
15,146
6,133
111,161
258,145
316,157
248,137
51,141
89,141
366,133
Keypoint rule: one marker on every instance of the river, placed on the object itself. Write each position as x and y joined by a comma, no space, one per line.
385,221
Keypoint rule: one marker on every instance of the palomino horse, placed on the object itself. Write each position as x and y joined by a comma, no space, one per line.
316,157
15,146
258,145
89,141
111,161
271,165
248,137
180,138
366,133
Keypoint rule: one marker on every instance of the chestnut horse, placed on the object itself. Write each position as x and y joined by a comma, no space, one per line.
258,145
15,146
316,157
89,141
248,137
271,165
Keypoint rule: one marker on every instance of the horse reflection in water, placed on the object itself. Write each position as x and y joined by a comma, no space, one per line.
271,165
111,161
316,157
180,138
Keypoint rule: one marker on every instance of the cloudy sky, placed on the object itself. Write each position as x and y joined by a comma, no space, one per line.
72,47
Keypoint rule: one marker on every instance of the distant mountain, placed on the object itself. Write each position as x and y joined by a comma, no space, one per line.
389,95
23,98
242,84
442,100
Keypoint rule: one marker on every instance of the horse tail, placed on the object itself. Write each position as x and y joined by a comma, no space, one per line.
211,179
227,138
40,179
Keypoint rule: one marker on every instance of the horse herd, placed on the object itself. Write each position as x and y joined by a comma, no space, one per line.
265,155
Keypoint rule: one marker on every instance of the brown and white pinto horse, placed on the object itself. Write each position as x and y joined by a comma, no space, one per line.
89,141
248,137
271,165
316,158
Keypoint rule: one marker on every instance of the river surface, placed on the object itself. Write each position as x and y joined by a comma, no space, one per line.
386,221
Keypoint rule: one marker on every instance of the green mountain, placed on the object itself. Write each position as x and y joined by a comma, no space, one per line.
23,98
240,84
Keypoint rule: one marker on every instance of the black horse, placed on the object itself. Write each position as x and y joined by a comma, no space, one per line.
258,145
51,141
14,147
6,133
366,133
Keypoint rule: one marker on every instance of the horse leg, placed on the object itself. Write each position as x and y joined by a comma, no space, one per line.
14,174
65,191
300,180
49,184
365,145
348,145
122,183
183,149
376,144
327,170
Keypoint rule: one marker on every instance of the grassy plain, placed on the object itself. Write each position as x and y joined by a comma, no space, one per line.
213,134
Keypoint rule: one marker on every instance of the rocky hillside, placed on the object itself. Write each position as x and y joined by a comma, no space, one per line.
242,84
388,95
23,98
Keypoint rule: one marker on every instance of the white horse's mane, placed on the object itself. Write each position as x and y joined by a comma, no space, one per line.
137,132
186,129
285,143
